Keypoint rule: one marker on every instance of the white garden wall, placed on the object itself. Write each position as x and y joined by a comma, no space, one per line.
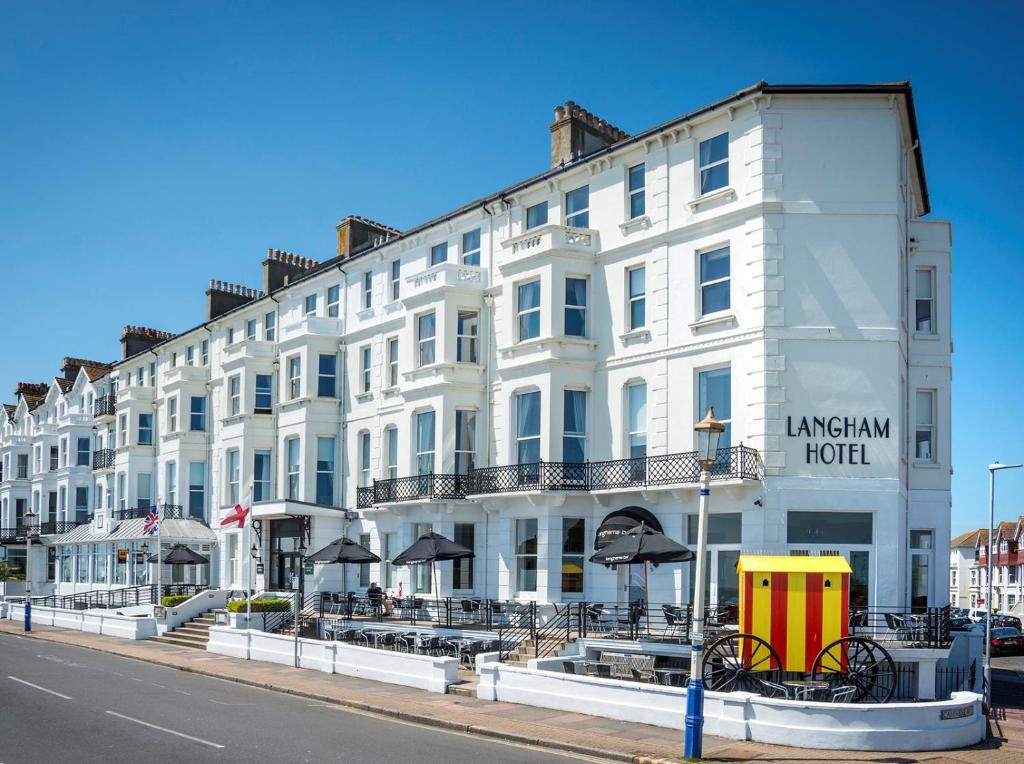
940,725
424,672
105,622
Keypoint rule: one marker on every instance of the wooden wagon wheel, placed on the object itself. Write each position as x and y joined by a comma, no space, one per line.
740,662
861,664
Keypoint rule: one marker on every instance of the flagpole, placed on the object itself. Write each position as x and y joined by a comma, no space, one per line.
248,564
159,552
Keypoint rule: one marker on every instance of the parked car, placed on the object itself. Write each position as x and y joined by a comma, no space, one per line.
1002,619
977,614
1006,641
960,624
958,612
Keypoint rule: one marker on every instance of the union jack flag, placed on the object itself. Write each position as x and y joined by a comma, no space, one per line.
152,523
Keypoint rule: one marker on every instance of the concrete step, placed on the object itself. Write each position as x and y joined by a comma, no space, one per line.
192,631
207,619
178,641
465,690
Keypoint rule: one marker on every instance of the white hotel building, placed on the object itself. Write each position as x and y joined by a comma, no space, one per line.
516,371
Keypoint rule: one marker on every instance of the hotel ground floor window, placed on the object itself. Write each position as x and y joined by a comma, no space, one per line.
390,550
51,563
836,533
526,555
120,567
421,582
139,552
82,555
920,569
573,550
67,565
234,575
721,581
100,554
462,570
364,568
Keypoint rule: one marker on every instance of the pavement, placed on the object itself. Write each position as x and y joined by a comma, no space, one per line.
558,733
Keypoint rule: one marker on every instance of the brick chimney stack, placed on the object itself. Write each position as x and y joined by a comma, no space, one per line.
576,133
282,268
222,297
31,389
72,366
357,233
135,339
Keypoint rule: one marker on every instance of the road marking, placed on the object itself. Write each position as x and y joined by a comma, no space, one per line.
164,729
222,703
36,686
183,692
157,685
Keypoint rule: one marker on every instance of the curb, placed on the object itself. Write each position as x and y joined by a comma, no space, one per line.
406,716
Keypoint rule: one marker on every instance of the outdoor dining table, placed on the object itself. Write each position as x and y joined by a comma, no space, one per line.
672,677
804,689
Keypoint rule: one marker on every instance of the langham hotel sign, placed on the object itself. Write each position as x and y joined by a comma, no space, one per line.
837,439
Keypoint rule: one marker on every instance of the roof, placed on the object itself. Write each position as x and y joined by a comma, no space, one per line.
966,539
95,372
1006,529
64,384
10,409
901,88
755,563
173,530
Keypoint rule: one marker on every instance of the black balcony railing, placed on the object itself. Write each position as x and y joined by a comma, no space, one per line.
55,527
17,533
170,512
102,458
738,462
103,406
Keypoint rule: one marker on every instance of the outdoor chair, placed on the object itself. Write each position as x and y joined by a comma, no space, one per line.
430,646
898,628
604,671
337,605
568,667
772,690
843,694
594,613
674,621
386,640
647,677
406,642
469,610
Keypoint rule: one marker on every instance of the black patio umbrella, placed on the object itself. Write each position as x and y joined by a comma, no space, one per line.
181,555
642,545
430,548
345,552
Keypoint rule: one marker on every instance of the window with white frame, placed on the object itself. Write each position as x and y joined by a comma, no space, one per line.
144,490
636,414
465,441
462,570
333,301
190,355
261,475
197,414
425,443
714,281
122,437
172,414
83,452
325,472
270,326
204,352
122,493
467,333
636,281
396,279
310,305
292,450
528,310
327,375
391,450
527,407
250,329
924,301
574,548
197,489
234,395
393,362
526,554
365,368
574,426
264,399
637,183
231,335
471,247
364,459
536,215
145,429
294,377
577,207
233,469
714,389
425,329
439,253
924,427
575,307
171,482
714,163
367,290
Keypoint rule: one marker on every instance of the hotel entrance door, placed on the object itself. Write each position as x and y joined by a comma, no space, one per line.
285,536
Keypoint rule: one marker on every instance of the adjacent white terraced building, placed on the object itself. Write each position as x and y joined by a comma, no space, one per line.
524,371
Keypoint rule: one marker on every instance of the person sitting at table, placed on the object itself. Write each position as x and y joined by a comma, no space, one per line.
389,603
374,595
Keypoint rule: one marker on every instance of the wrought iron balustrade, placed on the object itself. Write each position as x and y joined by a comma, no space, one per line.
56,527
364,496
103,458
103,406
738,462
420,488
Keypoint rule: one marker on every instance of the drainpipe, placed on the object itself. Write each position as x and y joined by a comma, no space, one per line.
343,403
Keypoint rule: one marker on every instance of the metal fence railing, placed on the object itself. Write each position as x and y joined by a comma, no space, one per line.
921,627
125,596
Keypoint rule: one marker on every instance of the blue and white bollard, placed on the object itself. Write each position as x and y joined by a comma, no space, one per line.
28,614
694,719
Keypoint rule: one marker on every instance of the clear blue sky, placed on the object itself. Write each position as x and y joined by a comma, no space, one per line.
148,147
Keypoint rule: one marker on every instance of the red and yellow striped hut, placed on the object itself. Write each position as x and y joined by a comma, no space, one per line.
796,604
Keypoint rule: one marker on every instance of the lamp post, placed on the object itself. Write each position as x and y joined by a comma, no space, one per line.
301,549
709,431
254,554
29,517
992,470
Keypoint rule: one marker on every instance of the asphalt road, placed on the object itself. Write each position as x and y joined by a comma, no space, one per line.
1008,681
60,703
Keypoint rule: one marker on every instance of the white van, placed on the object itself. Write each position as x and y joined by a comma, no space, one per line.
976,614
